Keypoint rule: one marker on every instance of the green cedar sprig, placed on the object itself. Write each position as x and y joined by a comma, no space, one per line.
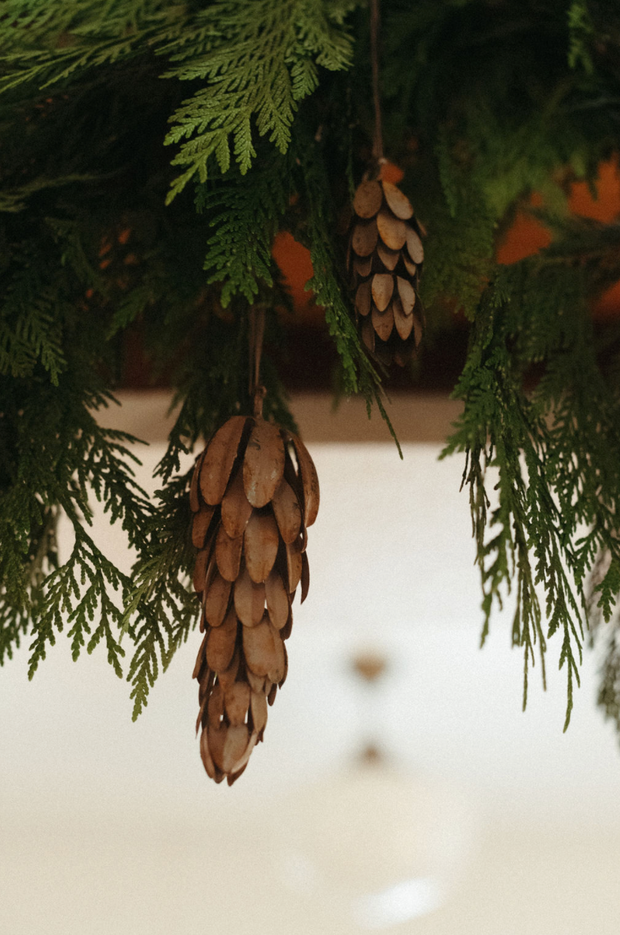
552,452
482,103
260,61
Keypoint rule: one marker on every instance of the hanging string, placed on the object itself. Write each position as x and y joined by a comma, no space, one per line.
256,334
377,147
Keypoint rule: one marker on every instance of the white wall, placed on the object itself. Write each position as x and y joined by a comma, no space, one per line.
112,827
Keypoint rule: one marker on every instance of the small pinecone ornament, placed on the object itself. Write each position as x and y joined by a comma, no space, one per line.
254,492
384,260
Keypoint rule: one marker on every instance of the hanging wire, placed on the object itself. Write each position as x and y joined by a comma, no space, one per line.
377,148
256,335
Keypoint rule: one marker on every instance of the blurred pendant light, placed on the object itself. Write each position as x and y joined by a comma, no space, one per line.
374,845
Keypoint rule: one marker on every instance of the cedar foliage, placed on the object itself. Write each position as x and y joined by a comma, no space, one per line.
149,152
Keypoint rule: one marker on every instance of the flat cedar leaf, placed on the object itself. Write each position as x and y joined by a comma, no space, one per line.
554,451
259,65
244,214
304,77
608,589
160,608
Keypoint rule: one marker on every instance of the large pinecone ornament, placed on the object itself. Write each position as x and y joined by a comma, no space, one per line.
384,262
253,494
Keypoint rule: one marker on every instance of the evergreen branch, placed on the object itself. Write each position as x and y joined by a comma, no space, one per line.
211,381
245,212
555,452
259,65
15,199
159,609
52,42
21,591
581,32
64,593
609,688
58,455
30,329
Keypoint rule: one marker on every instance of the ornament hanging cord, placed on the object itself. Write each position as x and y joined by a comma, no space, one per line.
377,146
255,345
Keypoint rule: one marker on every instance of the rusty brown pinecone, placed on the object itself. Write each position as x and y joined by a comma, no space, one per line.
384,262
254,492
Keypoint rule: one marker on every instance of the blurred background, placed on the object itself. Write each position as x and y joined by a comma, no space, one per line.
473,818
424,801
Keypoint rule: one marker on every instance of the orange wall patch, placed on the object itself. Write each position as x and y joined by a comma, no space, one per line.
294,262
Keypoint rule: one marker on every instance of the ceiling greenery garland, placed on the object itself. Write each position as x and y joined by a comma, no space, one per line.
150,152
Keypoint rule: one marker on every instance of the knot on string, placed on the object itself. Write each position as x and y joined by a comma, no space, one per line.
259,394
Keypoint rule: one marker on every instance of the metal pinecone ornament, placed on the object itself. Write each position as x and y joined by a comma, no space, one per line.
253,494
384,261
